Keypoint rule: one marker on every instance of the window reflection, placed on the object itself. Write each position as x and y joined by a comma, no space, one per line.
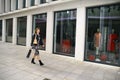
21,30
0,29
32,2
103,34
42,1
40,21
9,27
65,29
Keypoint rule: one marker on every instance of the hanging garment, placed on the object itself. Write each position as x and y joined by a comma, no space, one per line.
111,42
97,38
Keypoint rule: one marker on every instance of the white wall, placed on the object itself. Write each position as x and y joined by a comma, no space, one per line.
29,30
49,32
14,38
3,30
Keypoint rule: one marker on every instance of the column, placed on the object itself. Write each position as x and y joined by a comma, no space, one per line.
37,2
14,30
3,30
49,32
80,34
29,30
27,3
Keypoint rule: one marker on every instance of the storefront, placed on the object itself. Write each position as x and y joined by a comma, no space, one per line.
81,29
103,34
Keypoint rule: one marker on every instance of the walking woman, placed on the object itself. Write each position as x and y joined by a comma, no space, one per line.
35,43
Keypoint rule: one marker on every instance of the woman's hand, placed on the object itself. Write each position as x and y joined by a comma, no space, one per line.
43,46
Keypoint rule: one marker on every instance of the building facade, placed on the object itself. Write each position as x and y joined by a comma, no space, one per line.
87,30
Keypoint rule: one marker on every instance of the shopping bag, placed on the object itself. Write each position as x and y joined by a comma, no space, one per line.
28,54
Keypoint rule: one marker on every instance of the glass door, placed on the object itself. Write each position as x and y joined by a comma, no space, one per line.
0,29
9,28
21,30
64,32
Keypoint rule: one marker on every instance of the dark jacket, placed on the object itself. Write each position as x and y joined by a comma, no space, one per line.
39,39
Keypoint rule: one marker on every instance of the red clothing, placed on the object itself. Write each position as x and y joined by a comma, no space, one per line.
111,42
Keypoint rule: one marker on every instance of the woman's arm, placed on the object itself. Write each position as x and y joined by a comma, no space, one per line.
32,39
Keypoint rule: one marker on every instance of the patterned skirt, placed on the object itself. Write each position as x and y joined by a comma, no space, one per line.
36,49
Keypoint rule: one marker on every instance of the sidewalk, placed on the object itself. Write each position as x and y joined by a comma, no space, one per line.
15,66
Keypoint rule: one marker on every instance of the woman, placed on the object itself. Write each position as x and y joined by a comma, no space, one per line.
35,43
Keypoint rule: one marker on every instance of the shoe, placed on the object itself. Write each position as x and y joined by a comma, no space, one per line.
32,61
41,64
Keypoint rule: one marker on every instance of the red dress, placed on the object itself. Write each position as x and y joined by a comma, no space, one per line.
111,42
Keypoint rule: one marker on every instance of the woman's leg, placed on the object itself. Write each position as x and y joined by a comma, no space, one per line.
38,57
32,61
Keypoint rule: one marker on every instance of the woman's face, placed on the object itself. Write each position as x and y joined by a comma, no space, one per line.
38,31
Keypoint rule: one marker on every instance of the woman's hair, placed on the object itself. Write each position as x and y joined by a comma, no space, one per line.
36,29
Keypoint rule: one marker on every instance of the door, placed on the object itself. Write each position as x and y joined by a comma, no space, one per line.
9,28
21,30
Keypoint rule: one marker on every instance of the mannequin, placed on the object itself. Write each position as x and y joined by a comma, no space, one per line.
97,40
111,41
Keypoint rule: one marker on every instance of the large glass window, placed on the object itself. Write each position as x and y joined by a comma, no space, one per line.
16,4
64,32
32,2
21,30
40,21
42,1
9,30
0,29
24,3
10,5
103,34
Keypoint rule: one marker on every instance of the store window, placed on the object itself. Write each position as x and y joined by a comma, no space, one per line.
0,30
40,21
64,32
9,30
32,2
16,4
24,3
42,1
21,30
103,34
10,5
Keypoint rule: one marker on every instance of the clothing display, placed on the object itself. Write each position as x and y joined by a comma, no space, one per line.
97,38
111,42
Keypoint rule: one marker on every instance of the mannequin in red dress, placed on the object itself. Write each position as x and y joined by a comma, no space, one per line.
111,41
97,40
